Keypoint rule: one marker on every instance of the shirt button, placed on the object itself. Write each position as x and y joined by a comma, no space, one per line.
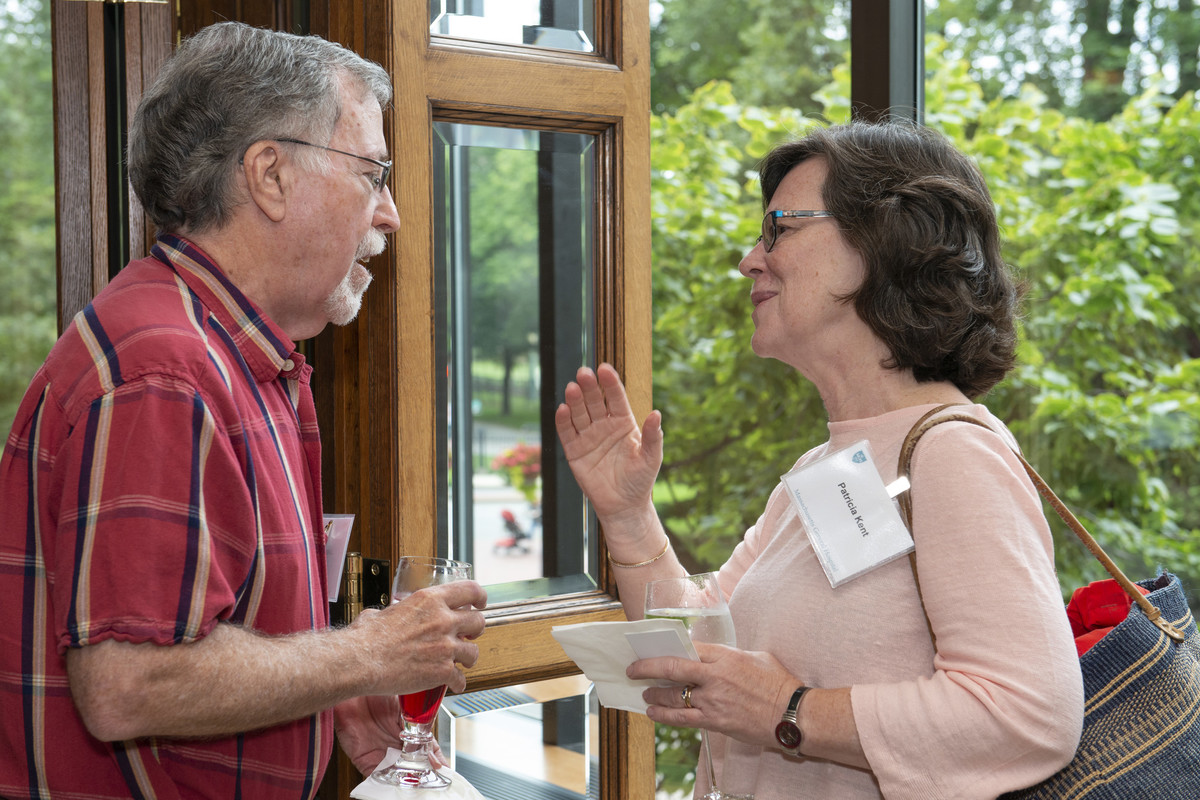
288,365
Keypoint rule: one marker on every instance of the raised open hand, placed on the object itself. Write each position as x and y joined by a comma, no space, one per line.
614,461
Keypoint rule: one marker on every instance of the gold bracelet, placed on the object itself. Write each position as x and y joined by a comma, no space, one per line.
623,565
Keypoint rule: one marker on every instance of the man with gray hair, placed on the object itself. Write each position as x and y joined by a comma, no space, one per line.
162,532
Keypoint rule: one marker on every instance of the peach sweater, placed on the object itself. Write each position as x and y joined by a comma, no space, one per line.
997,707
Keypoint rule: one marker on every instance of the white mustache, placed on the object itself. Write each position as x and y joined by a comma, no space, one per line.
372,245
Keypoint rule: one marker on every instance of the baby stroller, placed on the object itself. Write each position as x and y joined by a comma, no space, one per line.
517,538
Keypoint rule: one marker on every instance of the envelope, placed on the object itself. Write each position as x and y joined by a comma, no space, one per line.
603,650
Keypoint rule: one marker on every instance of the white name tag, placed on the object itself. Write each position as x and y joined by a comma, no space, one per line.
848,513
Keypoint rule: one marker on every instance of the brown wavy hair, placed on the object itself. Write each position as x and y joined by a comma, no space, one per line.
936,291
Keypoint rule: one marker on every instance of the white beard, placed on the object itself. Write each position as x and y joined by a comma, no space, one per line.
343,305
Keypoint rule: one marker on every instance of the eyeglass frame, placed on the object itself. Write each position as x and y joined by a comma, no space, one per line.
386,166
770,231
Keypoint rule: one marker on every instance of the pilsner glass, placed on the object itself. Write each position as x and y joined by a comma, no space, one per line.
414,768
697,602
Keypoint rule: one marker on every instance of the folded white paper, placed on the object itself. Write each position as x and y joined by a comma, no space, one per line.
603,650
337,541
458,789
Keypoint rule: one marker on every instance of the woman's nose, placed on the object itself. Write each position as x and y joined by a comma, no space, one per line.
751,263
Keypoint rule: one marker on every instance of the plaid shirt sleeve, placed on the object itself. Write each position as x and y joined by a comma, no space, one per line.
150,490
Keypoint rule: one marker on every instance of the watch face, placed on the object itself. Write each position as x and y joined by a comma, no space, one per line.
788,734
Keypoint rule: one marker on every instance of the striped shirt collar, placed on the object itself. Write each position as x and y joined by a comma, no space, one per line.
267,349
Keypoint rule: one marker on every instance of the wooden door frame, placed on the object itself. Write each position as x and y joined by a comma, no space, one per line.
381,407
104,53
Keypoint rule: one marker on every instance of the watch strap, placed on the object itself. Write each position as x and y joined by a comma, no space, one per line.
788,732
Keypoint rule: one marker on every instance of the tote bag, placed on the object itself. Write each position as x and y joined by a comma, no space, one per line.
1141,725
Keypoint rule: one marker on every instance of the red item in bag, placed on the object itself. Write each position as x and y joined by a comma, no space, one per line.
1096,609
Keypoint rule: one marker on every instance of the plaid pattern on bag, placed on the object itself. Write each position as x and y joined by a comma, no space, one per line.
1141,725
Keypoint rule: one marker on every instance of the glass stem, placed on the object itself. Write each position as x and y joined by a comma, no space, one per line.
712,775
416,738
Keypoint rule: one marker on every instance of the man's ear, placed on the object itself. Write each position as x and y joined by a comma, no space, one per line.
263,169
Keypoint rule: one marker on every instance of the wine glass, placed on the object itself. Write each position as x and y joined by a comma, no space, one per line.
413,768
697,602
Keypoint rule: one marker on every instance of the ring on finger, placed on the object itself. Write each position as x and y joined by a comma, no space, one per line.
686,694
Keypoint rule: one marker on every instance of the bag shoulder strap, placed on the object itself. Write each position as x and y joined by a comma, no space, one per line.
903,468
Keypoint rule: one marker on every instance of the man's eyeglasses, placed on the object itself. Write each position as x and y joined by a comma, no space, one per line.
377,181
770,224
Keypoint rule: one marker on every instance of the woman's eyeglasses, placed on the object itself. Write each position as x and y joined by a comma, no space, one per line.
770,224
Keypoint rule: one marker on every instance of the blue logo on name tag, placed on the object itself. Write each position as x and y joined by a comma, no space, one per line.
859,457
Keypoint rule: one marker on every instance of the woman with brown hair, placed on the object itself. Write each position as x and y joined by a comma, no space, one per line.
878,277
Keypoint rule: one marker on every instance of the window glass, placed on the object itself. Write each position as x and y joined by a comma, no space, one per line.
514,250
1082,117
531,740
28,307
557,24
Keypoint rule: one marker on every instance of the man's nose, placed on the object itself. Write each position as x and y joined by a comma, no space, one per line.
387,217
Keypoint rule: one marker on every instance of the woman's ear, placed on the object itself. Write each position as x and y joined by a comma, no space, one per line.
263,168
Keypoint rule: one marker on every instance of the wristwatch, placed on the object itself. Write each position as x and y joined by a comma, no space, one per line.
787,732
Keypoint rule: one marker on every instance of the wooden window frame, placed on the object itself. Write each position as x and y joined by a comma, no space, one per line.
392,342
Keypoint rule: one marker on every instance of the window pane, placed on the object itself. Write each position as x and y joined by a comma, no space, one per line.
532,740
1082,117
28,308
558,24
515,264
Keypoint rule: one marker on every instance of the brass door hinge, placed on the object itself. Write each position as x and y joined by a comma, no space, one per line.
366,583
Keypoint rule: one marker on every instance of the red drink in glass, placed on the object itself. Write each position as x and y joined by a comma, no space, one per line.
420,708
413,767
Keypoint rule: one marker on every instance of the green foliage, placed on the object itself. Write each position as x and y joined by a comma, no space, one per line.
1100,219
28,306
1086,57
503,265
720,402
1098,216
677,751
777,52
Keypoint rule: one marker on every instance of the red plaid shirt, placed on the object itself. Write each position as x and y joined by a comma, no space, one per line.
162,475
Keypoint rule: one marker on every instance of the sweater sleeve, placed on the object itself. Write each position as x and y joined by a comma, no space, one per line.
1003,708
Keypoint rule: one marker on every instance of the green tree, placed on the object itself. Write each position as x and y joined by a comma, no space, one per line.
1088,58
27,276
777,52
1099,217
1094,214
1108,394
504,259
718,399
723,407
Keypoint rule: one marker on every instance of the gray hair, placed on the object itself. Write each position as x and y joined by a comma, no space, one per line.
225,88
